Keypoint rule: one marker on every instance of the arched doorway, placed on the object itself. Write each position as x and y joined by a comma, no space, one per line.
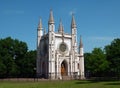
64,68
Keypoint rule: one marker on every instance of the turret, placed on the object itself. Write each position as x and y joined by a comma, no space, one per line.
81,52
74,34
39,35
51,29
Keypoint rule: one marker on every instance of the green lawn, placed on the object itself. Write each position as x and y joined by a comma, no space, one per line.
60,84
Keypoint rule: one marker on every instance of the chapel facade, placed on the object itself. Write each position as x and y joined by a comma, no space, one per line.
58,54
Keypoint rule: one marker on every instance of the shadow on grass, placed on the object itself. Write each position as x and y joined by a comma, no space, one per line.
86,82
112,83
107,82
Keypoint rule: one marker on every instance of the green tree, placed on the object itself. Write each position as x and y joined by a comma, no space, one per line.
113,56
11,51
20,50
6,56
28,64
2,69
96,62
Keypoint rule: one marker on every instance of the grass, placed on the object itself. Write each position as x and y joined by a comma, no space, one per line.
60,84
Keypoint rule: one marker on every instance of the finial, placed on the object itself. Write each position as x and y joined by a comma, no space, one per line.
51,19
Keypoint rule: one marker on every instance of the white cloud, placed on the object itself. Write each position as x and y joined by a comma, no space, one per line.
103,38
7,12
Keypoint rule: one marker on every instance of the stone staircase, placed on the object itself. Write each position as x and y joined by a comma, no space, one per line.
66,78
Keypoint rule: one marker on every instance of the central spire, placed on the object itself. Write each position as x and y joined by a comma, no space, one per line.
73,24
51,19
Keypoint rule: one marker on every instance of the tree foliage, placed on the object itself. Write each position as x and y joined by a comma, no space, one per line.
96,62
104,62
15,59
113,56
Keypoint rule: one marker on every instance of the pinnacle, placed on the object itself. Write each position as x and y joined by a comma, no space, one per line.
51,19
60,27
81,44
73,24
40,24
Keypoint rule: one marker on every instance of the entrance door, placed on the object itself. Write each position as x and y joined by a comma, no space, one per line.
64,68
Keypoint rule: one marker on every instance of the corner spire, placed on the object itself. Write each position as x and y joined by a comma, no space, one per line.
51,19
40,24
73,24
81,44
60,27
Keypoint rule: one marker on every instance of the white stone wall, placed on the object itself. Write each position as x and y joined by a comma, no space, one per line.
53,63
58,41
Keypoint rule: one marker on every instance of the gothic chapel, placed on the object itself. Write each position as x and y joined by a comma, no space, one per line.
57,52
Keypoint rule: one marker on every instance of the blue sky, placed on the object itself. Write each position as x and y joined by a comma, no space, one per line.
98,21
